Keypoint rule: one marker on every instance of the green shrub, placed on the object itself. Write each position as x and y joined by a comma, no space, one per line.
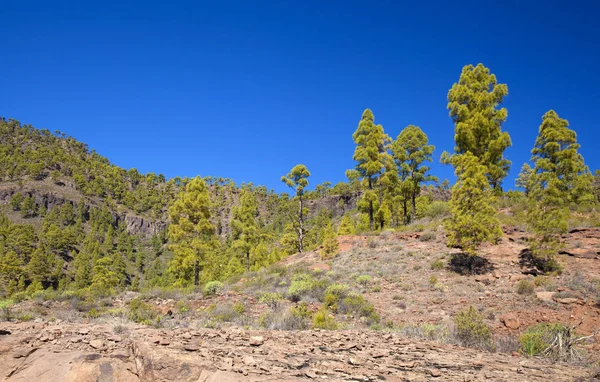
364,280
212,288
271,299
437,265
427,236
525,287
471,330
356,304
239,308
301,284
433,280
182,307
542,281
93,313
333,294
535,340
141,312
322,320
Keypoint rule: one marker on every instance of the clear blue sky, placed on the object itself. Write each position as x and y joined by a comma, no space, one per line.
247,89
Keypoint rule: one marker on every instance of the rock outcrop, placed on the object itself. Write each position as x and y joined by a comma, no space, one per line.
76,352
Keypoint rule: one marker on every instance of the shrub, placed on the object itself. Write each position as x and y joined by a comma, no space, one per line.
212,288
433,280
322,320
271,299
355,303
301,285
364,280
141,312
525,287
471,330
372,243
535,340
427,236
542,281
93,313
333,294
437,264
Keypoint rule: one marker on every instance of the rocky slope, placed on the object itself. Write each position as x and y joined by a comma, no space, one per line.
79,352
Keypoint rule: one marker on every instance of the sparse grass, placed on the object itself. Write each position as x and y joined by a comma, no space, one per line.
437,265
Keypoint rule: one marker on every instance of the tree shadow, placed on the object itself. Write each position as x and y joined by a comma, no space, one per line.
535,265
465,264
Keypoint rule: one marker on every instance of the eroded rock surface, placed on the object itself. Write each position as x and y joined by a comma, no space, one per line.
75,352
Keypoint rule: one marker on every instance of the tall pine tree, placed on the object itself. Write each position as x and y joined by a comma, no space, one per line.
560,178
372,157
192,236
473,103
297,179
410,150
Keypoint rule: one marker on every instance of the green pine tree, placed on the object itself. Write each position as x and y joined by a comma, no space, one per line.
245,231
560,179
191,234
473,103
410,151
297,179
346,226
473,218
372,158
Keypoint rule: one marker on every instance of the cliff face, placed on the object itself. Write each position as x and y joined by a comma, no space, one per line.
52,197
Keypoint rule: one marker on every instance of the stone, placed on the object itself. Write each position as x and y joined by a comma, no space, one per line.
84,331
257,341
96,344
165,342
510,320
434,373
544,296
567,300
190,347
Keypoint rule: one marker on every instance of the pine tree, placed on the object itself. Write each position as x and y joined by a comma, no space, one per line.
330,243
28,207
524,179
473,220
297,180
473,103
191,234
410,150
560,178
245,231
11,271
104,278
346,226
372,157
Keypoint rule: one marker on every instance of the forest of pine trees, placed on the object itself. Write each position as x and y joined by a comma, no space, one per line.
217,229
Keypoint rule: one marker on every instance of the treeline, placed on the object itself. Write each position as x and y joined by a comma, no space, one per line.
218,229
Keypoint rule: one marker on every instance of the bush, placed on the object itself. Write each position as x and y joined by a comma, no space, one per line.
301,284
322,320
535,340
271,299
364,280
433,280
427,236
525,287
437,265
141,312
356,304
333,294
471,330
212,288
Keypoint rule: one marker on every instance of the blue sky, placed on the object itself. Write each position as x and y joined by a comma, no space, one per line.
248,89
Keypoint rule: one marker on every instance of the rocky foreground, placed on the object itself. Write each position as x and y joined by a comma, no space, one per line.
79,352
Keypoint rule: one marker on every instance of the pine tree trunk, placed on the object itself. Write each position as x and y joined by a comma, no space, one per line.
414,207
197,272
371,219
301,230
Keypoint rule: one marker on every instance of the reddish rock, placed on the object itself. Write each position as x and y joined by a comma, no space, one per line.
510,320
